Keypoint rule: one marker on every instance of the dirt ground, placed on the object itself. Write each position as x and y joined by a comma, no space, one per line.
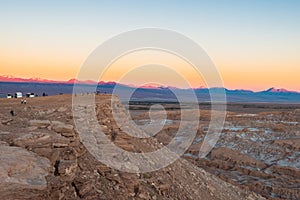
45,158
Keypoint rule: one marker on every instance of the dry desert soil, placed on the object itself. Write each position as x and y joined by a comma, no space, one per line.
43,157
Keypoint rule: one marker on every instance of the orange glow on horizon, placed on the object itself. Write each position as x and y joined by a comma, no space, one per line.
253,75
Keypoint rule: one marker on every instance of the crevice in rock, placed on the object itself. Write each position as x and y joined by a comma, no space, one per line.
56,173
76,189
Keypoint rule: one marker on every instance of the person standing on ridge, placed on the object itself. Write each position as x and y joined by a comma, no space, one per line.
12,113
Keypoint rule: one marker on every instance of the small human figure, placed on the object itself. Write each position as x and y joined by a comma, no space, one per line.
25,101
136,190
22,101
113,135
12,113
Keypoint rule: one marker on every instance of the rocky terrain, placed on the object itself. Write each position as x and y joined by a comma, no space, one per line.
42,157
258,149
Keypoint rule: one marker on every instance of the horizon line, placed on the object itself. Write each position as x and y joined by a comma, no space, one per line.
13,79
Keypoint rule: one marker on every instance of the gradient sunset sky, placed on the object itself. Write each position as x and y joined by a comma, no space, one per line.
254,43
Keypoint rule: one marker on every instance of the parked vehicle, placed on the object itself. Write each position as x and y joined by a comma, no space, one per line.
30,95
18,95
9,96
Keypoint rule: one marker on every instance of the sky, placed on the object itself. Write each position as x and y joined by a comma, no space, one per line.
254,44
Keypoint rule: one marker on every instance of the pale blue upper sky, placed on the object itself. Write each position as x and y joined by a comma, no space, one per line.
237,34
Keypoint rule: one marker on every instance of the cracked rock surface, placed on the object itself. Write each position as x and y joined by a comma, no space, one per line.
42,157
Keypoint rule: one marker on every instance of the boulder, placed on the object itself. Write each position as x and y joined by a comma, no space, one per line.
64,129
20,170
44,144
62,109
39,123
2,143
38,139
67,169
6,121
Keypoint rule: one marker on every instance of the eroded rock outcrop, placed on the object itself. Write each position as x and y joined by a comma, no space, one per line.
21,170
51,138
39,123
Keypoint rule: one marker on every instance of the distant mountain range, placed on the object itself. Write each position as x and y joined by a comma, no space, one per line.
9,84
39,80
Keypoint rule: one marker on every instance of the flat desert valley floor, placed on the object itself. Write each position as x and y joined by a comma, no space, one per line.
258,148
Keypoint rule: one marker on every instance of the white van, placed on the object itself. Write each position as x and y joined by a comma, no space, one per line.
30,95
9,96
18,95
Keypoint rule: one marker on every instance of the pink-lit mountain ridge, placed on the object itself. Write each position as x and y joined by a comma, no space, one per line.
148,86
39,80
148,92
